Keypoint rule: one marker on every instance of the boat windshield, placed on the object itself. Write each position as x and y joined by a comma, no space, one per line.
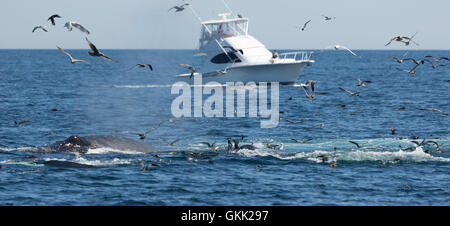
217,30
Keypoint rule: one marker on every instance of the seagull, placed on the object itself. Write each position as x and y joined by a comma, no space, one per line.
312,82
259,168
328,18
179,8
190,67
40,27
212,146
308,94
417,62
393,130
398,60
52,18
21,122
436,59
71,24
239,15
304,26
350,92
433,109
171,143
95,52
302,142
142,136
339,47
412,71
361,83
401,38
72,60
144,66
353,142
287,120
402,108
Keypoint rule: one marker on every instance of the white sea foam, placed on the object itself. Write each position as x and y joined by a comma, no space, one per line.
112,150
99,163
352,156
19,149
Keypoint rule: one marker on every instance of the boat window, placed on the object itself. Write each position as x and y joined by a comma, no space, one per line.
224,59
217,31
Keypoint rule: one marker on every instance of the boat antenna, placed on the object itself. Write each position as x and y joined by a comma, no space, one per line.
198,17
229,9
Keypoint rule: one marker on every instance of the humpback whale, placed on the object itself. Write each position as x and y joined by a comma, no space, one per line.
77,144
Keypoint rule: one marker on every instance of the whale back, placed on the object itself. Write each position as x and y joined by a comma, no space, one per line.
82,145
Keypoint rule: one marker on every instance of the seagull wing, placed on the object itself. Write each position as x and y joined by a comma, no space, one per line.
35,28
345,90
80,27
354,54
390,41
68,25
63,51
353,142
92,46
307,23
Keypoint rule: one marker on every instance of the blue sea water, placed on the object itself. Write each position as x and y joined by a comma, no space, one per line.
108,98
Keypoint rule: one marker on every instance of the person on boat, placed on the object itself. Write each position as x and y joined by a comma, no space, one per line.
274,56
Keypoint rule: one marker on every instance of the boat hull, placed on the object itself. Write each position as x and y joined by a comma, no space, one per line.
284,73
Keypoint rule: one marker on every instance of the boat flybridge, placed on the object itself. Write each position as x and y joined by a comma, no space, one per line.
229,54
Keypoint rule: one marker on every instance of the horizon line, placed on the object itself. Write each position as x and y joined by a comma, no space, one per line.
197,49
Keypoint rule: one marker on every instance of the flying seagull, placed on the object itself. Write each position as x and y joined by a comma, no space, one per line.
350,92
339,47
361,83
142,136
353,142
95,52
411,71
328,18
144,66
212,146
190,67
400,38
304,26
52,18
437,60
40,27
179,8
71,24
303,142
398,60
417,62
72,60
433,109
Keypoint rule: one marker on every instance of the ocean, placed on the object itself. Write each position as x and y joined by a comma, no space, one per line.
107,98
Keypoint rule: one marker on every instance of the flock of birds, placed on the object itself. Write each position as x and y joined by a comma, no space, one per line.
94,50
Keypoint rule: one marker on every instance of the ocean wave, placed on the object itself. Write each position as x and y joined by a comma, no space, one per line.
95,163
98,151
416,156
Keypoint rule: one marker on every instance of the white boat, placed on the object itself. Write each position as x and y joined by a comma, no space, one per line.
229,54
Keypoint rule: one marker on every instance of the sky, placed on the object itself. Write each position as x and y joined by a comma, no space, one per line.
147,24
